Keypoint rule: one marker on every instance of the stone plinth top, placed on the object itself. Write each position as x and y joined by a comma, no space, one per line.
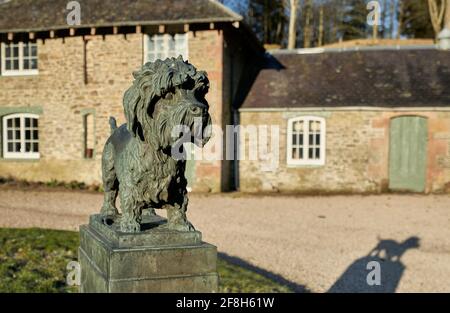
154,233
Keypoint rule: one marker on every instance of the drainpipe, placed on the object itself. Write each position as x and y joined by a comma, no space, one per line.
236,149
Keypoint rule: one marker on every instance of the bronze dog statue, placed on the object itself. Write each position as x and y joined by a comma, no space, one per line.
138,162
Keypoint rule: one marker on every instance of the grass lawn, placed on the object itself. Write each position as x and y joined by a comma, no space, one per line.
35,260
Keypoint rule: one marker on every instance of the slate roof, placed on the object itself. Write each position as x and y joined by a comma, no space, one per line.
381,78
40,15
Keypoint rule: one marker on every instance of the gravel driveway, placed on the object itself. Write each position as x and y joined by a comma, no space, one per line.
317,244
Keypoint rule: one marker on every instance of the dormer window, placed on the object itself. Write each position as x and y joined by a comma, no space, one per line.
19,58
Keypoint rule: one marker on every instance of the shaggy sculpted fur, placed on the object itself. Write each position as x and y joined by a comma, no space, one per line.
138,161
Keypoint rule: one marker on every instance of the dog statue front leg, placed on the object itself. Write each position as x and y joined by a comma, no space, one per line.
109,209
110,183
176,216
130,221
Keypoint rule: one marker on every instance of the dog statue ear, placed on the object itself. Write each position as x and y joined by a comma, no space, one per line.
130,105
138,105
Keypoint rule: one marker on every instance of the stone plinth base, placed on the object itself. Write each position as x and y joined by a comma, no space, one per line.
155,260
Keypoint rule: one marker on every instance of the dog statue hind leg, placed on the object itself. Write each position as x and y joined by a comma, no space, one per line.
110,183
131,219
176,216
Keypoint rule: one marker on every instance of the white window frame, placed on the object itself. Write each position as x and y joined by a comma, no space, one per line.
306,160
21,71
22,154
165,37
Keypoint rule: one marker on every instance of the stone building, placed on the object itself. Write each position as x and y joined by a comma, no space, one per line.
361,120
60,82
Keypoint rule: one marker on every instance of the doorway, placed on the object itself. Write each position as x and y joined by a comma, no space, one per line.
408,153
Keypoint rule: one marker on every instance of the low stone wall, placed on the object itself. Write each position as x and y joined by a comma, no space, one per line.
86,171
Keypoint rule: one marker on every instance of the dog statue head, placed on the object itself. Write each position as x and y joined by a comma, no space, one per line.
165,95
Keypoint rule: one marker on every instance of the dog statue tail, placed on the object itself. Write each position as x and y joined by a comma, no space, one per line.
112,124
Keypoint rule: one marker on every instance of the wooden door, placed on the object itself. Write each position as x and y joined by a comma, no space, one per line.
407,153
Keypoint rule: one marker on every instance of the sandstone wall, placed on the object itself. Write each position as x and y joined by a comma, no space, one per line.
206,52
357,153
67,88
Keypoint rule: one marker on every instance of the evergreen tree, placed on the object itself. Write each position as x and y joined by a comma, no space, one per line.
340,19
268,20
354,23
415,19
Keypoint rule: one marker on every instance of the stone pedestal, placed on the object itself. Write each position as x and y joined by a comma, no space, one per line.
155,260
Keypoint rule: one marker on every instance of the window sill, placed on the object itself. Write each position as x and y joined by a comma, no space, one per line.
305,165
14,160
20,73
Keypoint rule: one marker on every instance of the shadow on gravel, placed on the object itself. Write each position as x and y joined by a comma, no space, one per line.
269,275
382,267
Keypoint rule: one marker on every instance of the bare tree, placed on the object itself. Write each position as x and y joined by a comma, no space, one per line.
437,10
378,18
401,12
447,15
292,39
375,30
384,17
320,40
392,20
307,29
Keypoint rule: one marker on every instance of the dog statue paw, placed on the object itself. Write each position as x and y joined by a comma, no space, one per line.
181,226
143,163
129,226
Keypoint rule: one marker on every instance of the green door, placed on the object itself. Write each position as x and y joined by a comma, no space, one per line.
408,150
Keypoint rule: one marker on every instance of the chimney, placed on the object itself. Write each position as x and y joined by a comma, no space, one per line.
444,39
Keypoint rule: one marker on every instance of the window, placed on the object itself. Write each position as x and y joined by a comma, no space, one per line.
21,136
19,58
306,141
89,139
165,46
